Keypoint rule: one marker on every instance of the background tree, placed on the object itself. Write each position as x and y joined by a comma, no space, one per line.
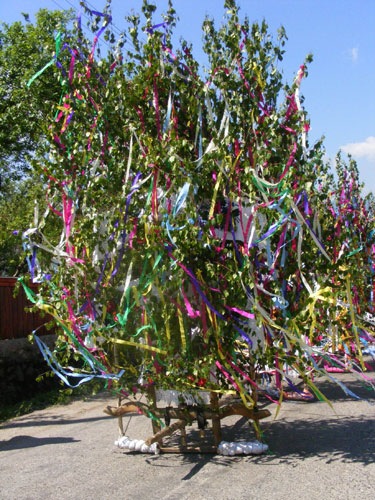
24,49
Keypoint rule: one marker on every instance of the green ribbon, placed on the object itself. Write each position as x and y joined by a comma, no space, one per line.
58,45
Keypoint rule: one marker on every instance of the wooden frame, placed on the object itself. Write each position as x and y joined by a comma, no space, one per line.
185,415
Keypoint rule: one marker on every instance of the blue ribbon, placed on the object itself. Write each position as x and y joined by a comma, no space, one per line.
64,374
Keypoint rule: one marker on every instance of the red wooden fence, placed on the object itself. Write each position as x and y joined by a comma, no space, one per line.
15,323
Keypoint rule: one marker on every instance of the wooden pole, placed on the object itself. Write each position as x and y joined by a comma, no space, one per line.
119,418
216,426
254,396
183,436
153,407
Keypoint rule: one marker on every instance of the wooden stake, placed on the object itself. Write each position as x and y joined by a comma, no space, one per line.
254,396
152,397
119,419
216,427
167,431
183,437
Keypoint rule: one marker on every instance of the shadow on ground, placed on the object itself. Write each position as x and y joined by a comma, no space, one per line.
21,442
37,421
337,439
345,439
332,390
304,430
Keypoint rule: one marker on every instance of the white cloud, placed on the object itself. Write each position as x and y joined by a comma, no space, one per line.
353,52
364,149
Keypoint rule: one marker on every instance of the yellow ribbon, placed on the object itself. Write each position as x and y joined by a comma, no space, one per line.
181,323
138,345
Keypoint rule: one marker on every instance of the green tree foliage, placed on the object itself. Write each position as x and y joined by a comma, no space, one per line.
16,214
24,49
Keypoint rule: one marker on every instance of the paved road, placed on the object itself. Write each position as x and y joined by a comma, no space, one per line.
67,452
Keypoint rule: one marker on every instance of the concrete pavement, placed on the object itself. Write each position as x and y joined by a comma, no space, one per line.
68,452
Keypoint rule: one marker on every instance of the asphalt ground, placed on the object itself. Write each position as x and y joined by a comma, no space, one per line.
67,452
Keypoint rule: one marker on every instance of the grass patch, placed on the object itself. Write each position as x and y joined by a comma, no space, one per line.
47,398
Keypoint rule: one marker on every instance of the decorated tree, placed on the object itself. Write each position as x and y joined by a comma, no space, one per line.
25,47
191,254
349,236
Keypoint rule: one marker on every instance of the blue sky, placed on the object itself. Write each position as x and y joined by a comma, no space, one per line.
340,88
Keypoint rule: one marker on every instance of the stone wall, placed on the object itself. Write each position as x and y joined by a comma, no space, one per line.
20,363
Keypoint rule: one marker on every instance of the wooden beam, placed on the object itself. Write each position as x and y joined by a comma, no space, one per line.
240,409
189,412
166,431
